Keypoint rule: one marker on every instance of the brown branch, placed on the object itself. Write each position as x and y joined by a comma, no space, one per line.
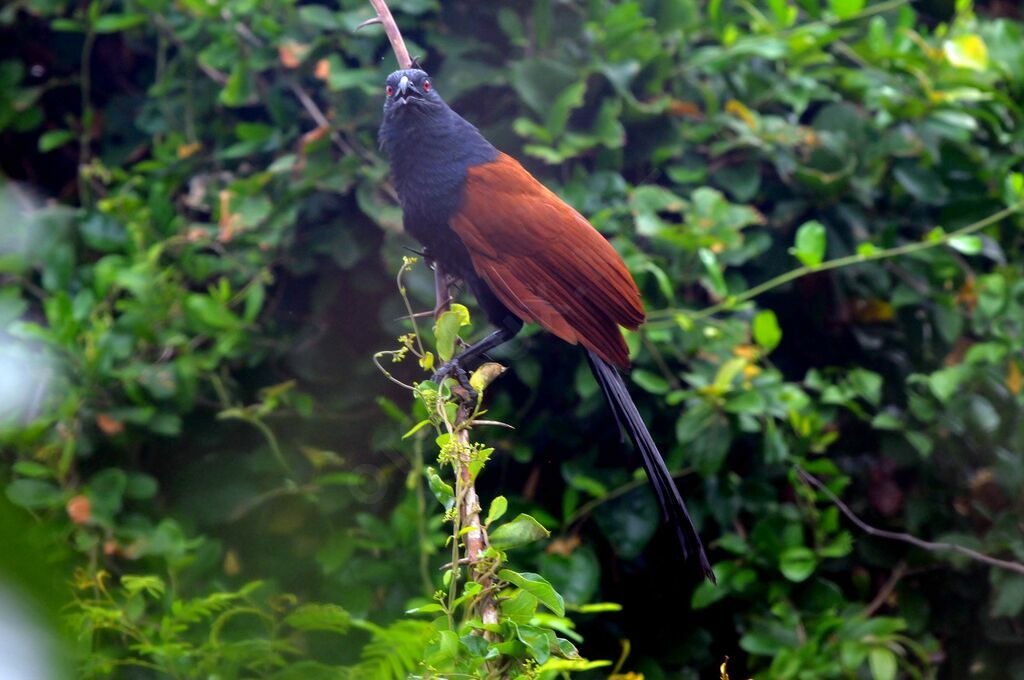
391,29
317,114
930,546
886,590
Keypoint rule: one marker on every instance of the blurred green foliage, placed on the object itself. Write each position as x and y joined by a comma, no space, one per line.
188,321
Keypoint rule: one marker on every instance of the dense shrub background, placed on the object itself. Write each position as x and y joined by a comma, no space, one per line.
188,401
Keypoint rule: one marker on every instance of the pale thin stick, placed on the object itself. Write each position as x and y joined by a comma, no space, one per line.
394,35
930,546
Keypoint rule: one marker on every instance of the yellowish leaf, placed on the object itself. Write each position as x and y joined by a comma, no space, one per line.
967,51
873,311
739,109
748,352
188,150
1014,379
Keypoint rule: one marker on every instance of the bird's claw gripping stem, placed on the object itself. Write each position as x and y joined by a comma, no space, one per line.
453,369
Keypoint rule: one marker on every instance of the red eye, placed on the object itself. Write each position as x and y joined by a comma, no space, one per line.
389,90
426,86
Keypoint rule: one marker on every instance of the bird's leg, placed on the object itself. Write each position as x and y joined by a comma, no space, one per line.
456,366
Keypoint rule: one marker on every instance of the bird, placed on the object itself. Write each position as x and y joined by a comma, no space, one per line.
525,254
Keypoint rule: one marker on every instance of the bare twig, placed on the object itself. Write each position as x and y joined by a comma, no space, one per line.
886,590
930,546
391,29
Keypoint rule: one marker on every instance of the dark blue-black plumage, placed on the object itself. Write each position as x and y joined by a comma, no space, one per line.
430,148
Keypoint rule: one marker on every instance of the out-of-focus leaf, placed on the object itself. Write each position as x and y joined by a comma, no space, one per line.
810,244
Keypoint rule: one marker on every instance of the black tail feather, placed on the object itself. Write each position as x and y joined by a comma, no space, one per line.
665,489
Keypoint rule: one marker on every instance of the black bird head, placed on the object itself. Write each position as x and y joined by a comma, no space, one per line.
429,147
411,92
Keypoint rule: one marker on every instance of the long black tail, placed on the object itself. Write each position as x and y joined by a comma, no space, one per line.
671,502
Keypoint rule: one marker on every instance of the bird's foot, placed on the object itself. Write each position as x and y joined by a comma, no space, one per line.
454,370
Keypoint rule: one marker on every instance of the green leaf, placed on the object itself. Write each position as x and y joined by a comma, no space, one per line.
520,607
54,139
944,382
922,183
106,490
319,17
443,491
34,494
967,51
882,662
714,271
328,617
968,245
29,468
238,89
559,111
810,244
416,428
153,585
649,381
766,330
498,507
446,330
536,640
430,608
114,23
576,575
1008,595
537,586
844,9
523,529
706,594
727,372
797,563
